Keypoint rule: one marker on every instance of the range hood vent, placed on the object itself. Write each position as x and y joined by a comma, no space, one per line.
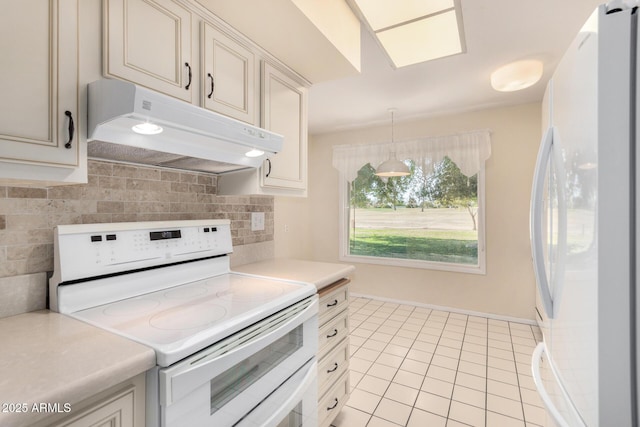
191,137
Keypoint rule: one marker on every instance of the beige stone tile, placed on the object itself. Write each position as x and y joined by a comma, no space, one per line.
467,414
169,176
408,379
504,406
393,411
26,193
373,385
433,403
420,418
439,387
469,396
401,393
363,400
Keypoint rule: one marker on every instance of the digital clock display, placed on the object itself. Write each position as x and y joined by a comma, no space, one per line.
164,235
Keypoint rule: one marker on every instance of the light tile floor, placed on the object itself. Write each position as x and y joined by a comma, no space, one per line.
416,367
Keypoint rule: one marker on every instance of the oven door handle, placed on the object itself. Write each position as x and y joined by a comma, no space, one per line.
182,379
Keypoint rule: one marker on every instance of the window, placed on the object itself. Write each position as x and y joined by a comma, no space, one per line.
433,218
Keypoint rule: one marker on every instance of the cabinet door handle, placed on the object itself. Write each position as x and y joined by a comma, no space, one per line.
335,366
186,64
333,334
334,405
72,129
333,304
213,85
268,170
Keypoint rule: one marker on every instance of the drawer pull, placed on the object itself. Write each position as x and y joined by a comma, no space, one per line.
334,405
333,304
186,64
72,129
213,85
335,366
333,334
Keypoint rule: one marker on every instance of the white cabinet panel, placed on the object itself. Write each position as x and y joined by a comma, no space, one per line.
39,82
115,412
284,111
148,42
228,75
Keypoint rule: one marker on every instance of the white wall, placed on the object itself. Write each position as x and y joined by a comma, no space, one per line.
507,289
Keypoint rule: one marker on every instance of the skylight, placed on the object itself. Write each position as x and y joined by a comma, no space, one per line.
413,31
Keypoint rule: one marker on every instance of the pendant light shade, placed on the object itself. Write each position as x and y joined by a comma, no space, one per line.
392,166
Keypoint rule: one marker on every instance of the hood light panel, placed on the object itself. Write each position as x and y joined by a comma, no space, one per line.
254,153
147,129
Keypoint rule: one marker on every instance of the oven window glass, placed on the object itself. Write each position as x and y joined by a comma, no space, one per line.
225,387
293,418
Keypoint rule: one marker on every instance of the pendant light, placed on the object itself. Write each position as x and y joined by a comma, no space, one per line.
392,166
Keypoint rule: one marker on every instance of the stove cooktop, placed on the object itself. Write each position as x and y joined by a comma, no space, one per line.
178,321
165,284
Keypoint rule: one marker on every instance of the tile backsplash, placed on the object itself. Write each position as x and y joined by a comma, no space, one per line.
117,193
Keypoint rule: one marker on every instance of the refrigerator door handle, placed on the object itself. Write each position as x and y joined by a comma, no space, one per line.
537,379
535,218
544,395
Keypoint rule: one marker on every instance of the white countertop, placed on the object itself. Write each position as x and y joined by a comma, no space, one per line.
47,357
320,274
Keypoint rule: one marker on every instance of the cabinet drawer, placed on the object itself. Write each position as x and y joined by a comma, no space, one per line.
332,366
333,302
333,332
330,405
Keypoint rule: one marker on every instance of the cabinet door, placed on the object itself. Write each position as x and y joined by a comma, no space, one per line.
116,411
284,111
148,42
228,75
39,81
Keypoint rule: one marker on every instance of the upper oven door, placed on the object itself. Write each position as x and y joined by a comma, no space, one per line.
223,383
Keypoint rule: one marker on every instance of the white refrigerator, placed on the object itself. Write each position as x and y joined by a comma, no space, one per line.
584,212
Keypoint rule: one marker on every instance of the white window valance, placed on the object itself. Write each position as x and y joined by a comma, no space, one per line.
467,150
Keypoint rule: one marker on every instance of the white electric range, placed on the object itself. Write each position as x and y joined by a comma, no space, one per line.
231,349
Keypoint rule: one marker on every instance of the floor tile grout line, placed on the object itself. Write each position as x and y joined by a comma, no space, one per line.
424,377
405,358
443,329
387,388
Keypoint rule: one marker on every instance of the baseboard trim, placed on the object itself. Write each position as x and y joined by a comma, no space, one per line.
451,309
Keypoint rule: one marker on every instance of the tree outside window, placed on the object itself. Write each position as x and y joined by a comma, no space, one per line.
430,215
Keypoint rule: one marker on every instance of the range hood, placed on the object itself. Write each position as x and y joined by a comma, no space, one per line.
186,137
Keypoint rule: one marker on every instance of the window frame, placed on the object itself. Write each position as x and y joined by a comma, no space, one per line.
343,239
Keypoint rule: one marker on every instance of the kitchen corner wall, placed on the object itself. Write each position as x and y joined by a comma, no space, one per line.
118,193
507,288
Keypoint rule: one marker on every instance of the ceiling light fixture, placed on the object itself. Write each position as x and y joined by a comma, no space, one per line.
392,166
412,31
147,128
516,75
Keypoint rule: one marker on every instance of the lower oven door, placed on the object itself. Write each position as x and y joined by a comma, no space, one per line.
293,404
220,385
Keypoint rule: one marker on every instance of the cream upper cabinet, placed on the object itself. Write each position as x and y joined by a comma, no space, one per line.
148,42
38,87
284,111
228,77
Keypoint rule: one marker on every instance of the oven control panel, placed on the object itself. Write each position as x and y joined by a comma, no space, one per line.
103,249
